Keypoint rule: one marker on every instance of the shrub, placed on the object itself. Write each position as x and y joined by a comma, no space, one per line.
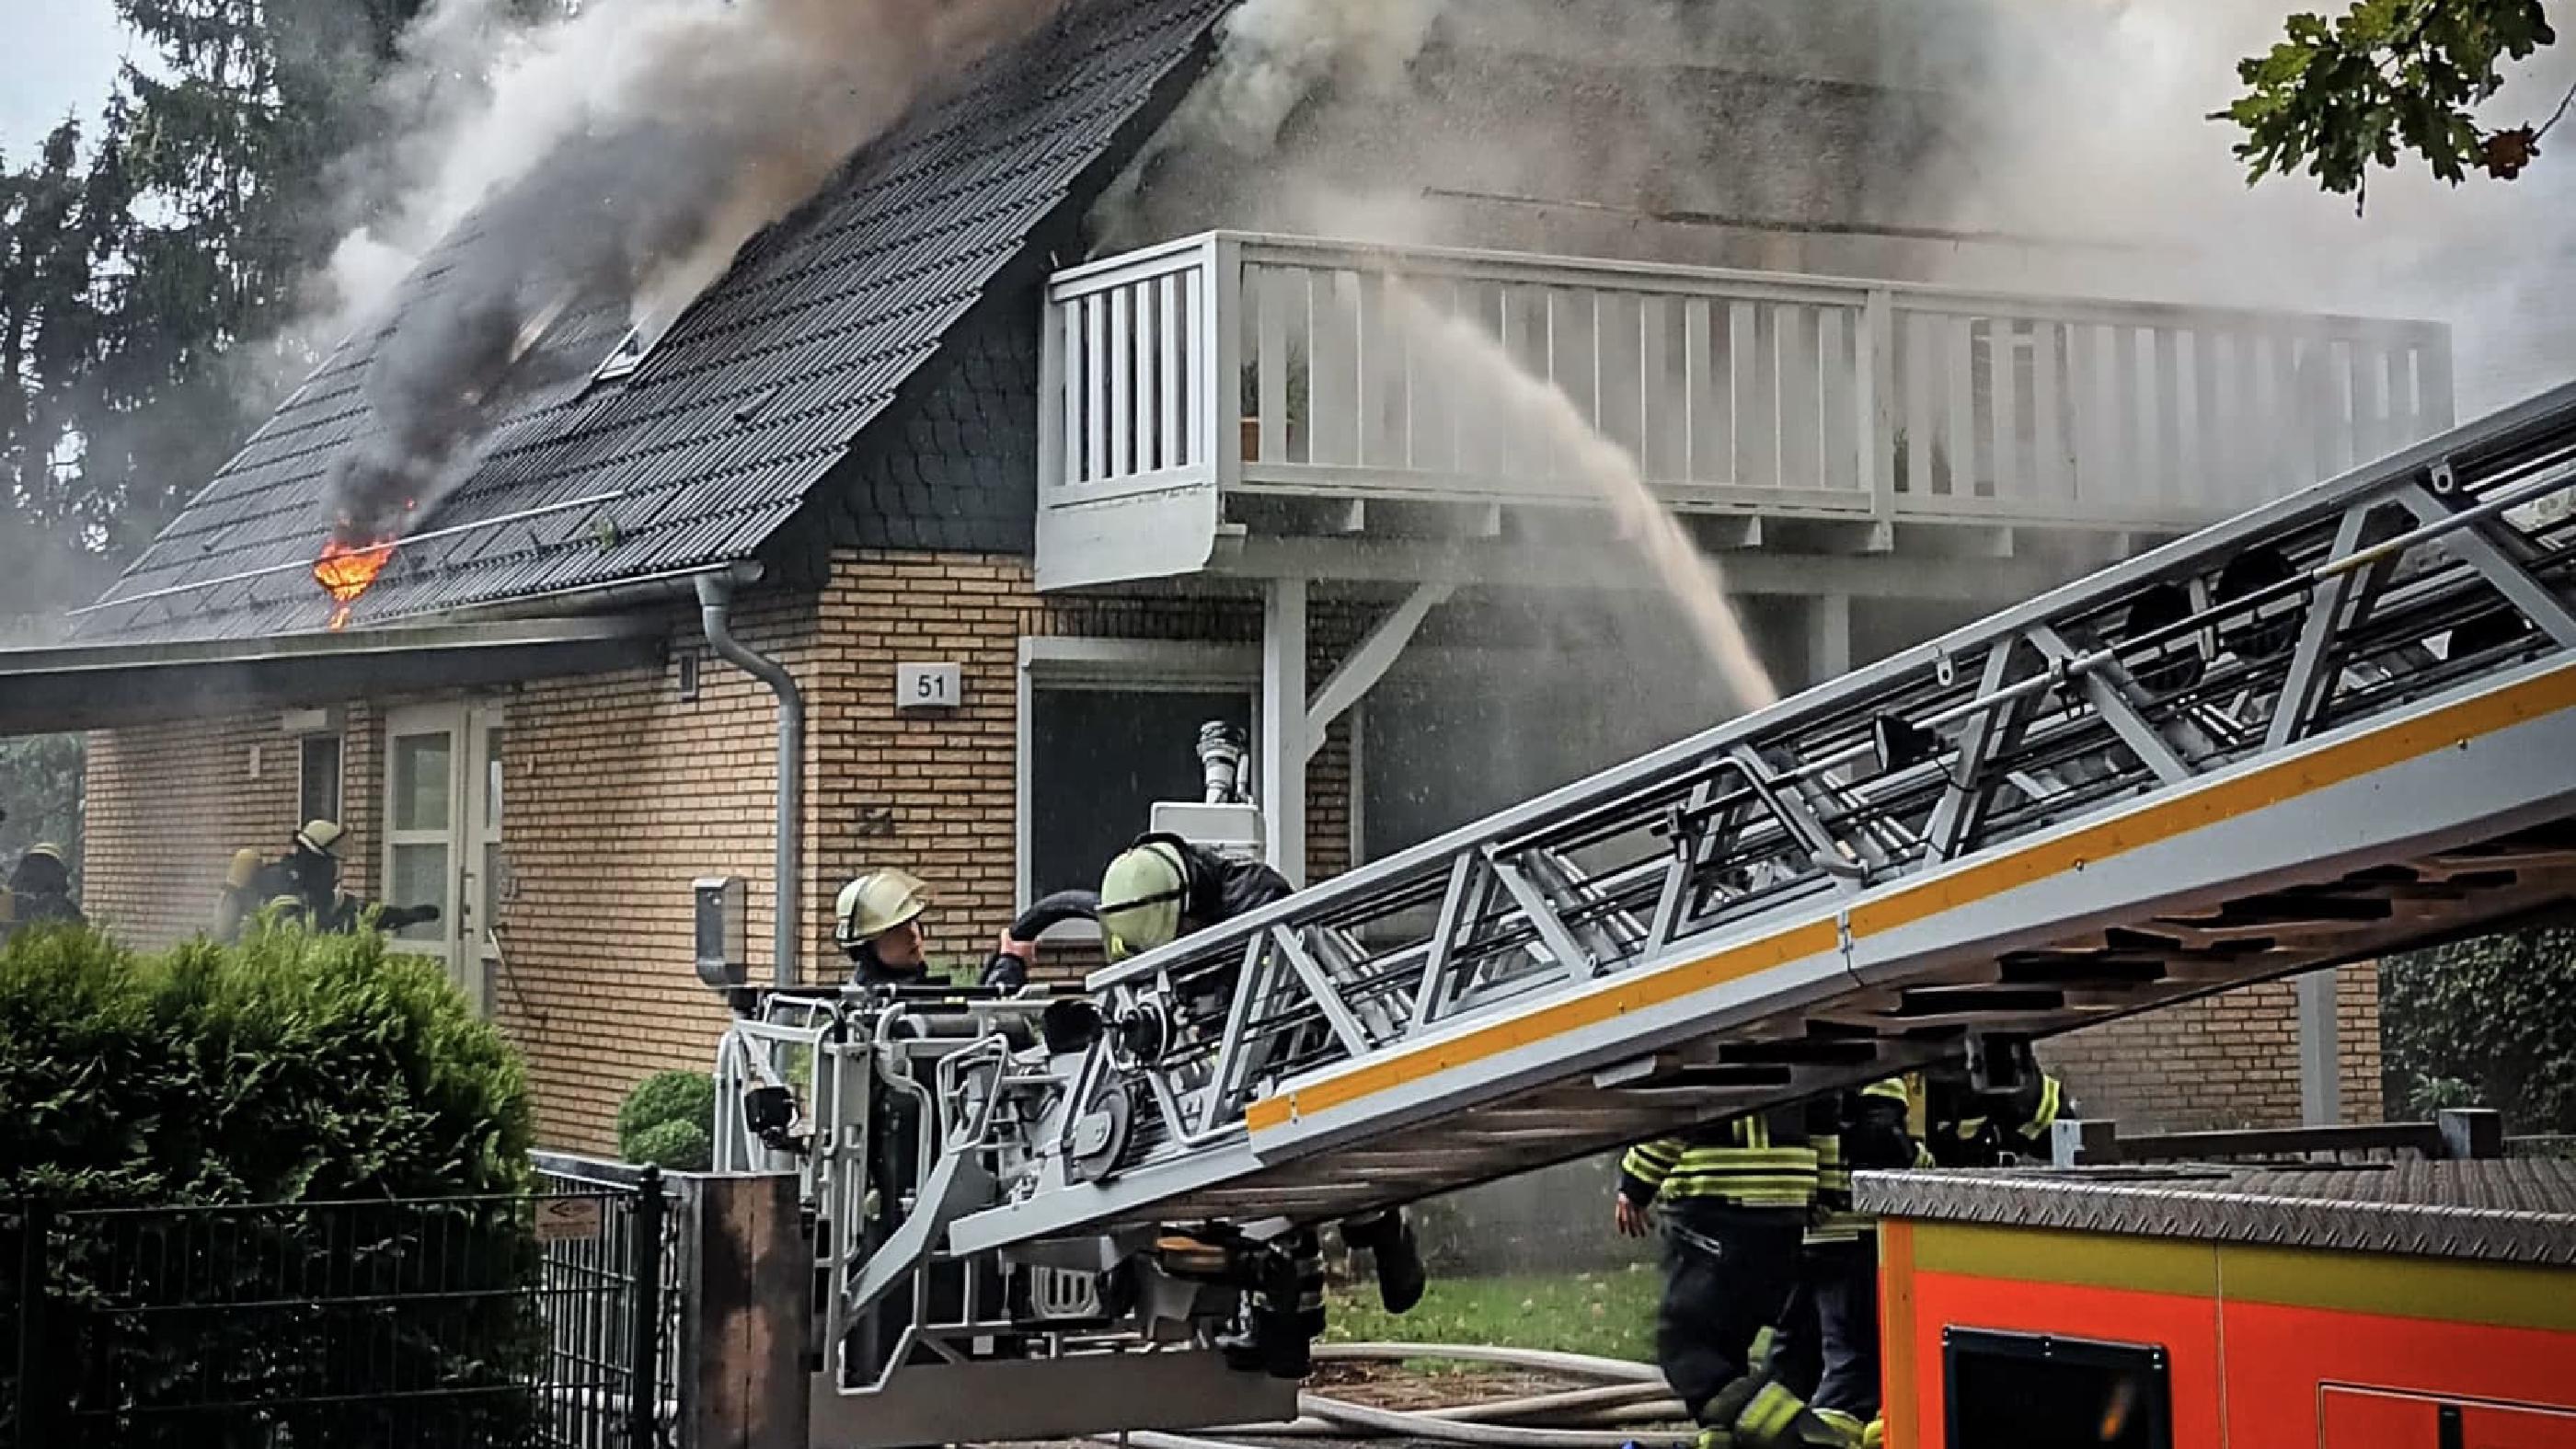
291,1069
673,1146
669,1120
2491,1020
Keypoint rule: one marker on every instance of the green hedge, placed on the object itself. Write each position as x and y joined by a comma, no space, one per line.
2488,1022
669,1120
291,1069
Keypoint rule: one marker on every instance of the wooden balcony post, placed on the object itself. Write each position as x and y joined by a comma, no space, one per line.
1874,402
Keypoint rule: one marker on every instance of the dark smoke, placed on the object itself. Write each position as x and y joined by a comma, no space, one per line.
579,227
616,157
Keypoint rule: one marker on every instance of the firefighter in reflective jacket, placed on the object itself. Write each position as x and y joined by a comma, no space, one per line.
1733,1199
1828,1359
1159,889
1961,1126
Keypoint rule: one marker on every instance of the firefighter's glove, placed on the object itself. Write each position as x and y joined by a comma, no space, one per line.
1005,973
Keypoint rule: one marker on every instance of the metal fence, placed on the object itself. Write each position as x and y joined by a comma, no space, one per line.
489,1322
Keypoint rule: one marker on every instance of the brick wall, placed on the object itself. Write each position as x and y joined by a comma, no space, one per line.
619,793
2223,1061
936,794
168,804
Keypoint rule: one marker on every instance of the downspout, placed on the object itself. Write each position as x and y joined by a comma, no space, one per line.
715,616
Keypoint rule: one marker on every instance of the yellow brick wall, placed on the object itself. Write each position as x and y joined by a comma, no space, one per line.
2221,1062
167,805
935,794
620,793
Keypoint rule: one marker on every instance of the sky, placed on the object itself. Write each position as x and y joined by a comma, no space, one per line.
56,56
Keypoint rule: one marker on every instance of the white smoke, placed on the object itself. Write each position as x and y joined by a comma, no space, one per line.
623,150
1272,56
2092,118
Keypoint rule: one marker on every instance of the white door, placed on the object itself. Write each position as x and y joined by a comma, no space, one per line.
443,833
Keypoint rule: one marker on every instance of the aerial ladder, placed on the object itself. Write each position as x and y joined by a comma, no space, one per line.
2338,725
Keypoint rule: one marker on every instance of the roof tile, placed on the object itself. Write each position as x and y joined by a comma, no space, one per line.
760,388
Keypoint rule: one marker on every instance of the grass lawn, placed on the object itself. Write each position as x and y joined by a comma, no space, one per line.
1610,1313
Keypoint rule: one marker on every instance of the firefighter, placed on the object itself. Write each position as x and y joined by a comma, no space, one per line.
1733,1199
304,884
1963,1126
1828,1359
40,890
237,902
1161,888
877,923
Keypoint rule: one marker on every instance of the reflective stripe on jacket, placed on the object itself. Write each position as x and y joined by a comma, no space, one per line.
1764,1161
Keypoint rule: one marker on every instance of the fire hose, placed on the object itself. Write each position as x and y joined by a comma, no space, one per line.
1632,1393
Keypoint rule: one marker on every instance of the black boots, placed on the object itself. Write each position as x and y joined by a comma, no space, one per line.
1389,1239
1283,1310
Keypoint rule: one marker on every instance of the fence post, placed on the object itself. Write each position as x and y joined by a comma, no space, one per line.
2470,1132
35,1289
644,1382
746,1307
2077,1143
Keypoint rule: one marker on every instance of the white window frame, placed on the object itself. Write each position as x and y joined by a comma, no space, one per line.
1052,662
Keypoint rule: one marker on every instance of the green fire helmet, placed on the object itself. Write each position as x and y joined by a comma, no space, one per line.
49,851
1140,898
874,904
322,837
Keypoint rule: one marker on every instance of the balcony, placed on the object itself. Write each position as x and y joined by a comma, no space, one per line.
1262,405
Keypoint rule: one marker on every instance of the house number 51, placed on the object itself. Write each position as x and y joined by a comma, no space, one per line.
926,686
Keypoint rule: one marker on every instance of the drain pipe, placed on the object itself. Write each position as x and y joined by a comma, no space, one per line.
715,616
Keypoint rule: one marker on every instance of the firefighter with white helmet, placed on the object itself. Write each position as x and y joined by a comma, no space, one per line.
876,922
305,883
1163,887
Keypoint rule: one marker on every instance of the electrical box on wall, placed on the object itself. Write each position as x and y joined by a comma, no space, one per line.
723,957
928,686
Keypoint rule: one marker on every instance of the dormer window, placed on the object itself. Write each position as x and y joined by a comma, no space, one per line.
624,358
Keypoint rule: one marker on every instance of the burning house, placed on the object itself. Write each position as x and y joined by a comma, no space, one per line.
1443,491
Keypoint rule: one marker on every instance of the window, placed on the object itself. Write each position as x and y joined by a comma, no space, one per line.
1109,727
2009,1390
624,358
1455,734
318,791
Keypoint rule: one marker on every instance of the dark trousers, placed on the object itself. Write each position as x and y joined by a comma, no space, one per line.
1728,1273
1830,1355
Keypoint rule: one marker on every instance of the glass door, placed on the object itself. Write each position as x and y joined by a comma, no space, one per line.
443,833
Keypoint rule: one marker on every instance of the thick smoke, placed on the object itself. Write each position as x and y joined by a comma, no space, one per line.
1272,57
619,153
2092,118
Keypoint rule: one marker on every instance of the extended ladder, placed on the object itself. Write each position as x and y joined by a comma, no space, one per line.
2337,725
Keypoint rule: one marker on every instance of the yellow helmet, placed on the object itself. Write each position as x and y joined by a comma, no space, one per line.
1141,896
243,870
320,836
876,903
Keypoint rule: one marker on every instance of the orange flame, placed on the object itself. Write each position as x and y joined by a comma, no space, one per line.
347,570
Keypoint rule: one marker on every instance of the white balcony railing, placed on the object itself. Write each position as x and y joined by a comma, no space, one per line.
1226,366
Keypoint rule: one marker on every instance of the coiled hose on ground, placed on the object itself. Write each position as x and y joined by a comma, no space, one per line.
1630,1393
